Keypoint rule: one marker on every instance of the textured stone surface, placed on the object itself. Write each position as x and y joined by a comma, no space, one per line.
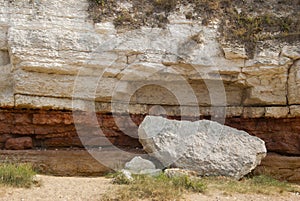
280,135
19,143
295,110
51,51
286,168
46,51
203,146
276,112
53,128
294,83
235,53
138,164
66,162
56,128
176,172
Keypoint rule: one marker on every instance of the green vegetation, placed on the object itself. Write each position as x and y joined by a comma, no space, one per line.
244,22
16,175
118,178
165,188
261,184
124,19
154,188
250,29
165,5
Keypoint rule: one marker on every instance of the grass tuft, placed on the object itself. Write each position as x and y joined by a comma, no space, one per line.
165,188
160,188
16,175
188,183
260,184
120,178
241,22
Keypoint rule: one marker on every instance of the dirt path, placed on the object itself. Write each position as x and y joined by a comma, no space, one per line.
91,189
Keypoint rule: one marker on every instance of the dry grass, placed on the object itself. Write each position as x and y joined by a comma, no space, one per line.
164,188
261,184
252,23
161,188
16,175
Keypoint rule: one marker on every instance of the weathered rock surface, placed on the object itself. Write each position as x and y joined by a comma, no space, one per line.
51,51
49,54
176,172
286,168
203,146
138,165
294,82
56,129
280,135
19,143
66,162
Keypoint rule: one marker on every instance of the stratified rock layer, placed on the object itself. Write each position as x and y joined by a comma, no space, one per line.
203,146
50,54
56,129
19,143
55,59
66,162
59,132
281,167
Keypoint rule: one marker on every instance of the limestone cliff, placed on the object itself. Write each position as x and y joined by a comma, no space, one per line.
53,52
179,59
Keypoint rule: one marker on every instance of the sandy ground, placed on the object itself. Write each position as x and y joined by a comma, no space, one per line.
91,189
218,196
59,189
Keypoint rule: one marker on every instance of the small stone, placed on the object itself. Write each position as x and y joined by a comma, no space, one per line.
138,164
19,143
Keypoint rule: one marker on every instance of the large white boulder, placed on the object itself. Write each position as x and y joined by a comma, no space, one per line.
206,147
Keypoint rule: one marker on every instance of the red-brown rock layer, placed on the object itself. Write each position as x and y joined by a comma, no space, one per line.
282,167
20,143
41,129
56,129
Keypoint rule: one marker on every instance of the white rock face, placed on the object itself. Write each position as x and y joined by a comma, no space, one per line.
51,51
203,146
